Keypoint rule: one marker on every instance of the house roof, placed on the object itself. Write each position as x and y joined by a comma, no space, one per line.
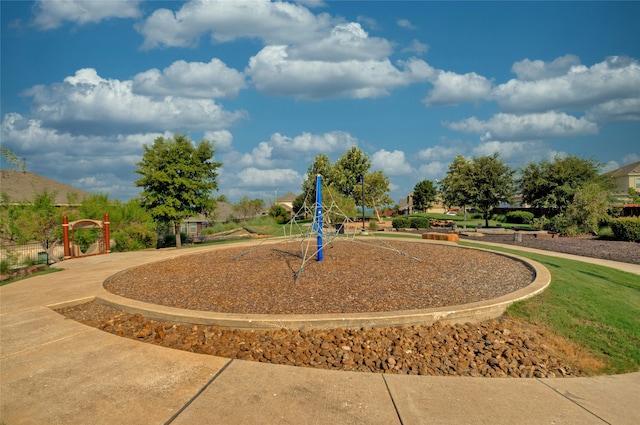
627,170
223,211
289,197
23,186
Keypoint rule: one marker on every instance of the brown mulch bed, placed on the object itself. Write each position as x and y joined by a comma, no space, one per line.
352,277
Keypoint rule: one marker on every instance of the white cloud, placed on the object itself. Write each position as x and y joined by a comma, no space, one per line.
312,3
416,47
391,163
222,139
90,104
528,70
524,127
615,110
191,79
346,41
437,153
256,178
272,22
630,158
333,141
259,156
50,14
516,152
405,23
274,72
368,22
281,150
306,56
450,88
578,88
433,170
91,163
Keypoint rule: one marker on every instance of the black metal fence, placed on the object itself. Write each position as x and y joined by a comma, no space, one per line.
14,256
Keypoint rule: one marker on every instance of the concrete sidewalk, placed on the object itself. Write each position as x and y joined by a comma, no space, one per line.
56,371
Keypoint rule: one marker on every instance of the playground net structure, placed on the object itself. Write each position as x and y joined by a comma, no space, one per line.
329,222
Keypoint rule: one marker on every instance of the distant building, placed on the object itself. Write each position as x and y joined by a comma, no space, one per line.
193,226
626,177
406,206
286,201
23,186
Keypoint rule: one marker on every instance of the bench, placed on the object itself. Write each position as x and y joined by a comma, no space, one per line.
449,237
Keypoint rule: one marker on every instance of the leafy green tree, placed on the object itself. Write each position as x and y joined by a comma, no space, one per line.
132,227
178,179
634,196
491,183
12,159
424,195
483,182
279,213
376,191
249,208
321,165
342,207
347,172
588,209
553,184
456,185
39,221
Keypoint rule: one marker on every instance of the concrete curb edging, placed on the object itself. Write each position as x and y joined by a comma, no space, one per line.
471,312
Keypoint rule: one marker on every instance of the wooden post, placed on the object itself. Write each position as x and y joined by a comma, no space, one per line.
65,237
107,234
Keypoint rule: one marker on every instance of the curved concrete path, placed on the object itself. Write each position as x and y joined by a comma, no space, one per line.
56,371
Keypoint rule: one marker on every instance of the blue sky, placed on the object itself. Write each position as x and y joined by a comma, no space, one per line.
413,84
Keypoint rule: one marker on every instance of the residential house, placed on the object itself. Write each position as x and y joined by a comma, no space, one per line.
193,226
286,201
406,206
627,177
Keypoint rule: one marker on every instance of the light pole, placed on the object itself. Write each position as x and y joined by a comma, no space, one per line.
362,181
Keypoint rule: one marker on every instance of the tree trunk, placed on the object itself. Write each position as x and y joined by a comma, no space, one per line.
178,239
49,251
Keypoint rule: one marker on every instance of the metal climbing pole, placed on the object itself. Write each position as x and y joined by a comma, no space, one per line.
318,219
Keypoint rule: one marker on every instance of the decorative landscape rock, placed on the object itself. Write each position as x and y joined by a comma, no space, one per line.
498,348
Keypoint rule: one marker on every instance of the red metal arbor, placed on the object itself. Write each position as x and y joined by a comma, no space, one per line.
101,246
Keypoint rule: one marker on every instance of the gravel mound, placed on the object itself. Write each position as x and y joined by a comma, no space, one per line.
497,348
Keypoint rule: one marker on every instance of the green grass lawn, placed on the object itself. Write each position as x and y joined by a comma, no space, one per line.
594,306
46,271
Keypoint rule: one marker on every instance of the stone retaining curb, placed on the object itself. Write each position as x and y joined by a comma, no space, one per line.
471,312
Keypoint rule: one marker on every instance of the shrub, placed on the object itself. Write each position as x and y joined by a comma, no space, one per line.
5,267
373,225
519,217
168,240
419,223
280,214
135,236
500,218
400,223
626,228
